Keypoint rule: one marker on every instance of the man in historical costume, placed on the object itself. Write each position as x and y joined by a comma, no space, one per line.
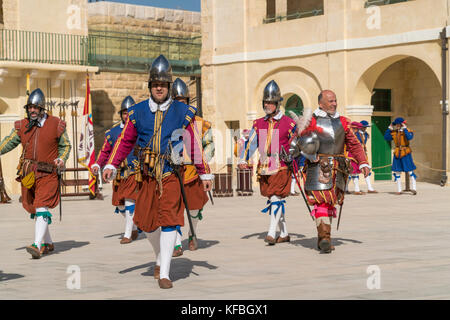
160,128
322,138
193,186
270,135
125,184
46,148
403,161
359,129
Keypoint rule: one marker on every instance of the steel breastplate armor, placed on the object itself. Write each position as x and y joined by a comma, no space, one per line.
331,143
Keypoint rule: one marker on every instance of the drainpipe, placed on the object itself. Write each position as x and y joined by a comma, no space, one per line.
444,102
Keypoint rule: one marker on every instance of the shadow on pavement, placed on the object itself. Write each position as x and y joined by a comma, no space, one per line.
120,236
202,244
262,235
65,245
181,268
311,243
9,276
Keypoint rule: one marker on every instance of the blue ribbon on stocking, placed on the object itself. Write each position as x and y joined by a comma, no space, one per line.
278,204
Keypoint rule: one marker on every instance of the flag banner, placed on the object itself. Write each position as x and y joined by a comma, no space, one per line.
86,149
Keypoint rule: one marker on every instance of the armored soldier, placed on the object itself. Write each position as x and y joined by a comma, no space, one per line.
270,135
196,196
402,161
160,126
125,184
322,138
46,148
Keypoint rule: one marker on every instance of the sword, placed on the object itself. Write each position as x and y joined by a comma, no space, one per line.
210,197
58,170
176,169
293,166
340,207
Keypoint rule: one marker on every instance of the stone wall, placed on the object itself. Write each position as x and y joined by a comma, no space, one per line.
142,19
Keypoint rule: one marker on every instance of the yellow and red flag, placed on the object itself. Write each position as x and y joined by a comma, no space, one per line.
86,147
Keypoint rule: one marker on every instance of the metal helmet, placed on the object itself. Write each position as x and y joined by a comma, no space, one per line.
309,144
126,103
272,92
36,98
160,70
180,89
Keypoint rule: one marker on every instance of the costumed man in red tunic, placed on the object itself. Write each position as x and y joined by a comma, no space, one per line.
46,148
160,126
193,187
270,134
125,185
323,139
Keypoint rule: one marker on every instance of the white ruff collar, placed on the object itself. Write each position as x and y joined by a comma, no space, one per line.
320,113
162,107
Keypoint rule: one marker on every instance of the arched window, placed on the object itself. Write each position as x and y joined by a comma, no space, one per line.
294,104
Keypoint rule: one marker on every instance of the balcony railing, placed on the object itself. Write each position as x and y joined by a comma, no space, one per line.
382,2
43,47
111,50
296,15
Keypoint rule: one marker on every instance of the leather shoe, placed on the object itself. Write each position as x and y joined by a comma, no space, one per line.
47,247
414,192
283,239
359,193
34,251
192,246
271,241
177,252
134,234
165,283
125,240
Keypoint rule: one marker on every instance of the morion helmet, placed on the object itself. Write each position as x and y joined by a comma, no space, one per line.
36,98
126,103
160,70
180,89
272,93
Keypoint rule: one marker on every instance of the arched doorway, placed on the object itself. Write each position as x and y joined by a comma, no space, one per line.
407,88
293,104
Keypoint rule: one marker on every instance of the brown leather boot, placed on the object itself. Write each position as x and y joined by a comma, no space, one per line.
324,238
134,234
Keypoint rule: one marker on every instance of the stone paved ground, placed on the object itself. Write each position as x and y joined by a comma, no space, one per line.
406,237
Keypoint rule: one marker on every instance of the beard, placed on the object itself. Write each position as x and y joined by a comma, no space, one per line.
269,112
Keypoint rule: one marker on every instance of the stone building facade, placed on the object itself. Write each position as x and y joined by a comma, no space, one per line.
382,58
